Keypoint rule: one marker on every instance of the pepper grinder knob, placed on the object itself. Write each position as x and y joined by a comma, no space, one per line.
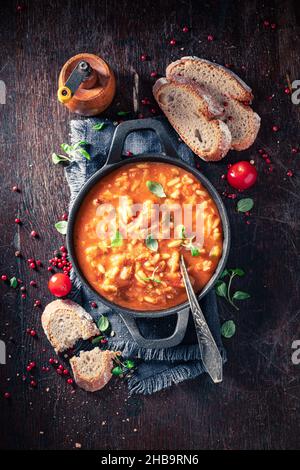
86,85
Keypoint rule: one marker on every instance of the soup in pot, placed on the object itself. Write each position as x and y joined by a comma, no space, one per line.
132,228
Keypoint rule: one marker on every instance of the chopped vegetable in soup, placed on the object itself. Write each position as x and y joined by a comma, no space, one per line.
131,265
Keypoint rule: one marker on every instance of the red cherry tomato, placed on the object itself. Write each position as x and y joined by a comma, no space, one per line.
242,175
60,285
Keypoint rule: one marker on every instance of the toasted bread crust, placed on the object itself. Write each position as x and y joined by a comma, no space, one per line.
245,125
244,93
89,328
96,383
219,128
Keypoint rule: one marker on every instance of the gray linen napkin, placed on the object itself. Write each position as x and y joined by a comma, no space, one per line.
157,368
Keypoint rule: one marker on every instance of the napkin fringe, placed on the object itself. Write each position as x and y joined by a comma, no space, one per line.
169,377
180,353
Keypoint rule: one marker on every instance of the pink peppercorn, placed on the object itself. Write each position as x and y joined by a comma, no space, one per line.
275,128
4,277
210,37
289,173
173,42
185,29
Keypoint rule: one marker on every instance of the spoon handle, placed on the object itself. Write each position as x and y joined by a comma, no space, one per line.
210,354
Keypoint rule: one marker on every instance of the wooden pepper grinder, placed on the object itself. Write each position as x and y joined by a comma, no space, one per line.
87,85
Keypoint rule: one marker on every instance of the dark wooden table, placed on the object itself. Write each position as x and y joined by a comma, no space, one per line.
257,405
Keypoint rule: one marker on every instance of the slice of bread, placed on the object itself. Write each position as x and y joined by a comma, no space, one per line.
65,322
192,112
92,369
228,90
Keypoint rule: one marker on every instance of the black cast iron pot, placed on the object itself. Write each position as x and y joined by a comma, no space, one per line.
169,156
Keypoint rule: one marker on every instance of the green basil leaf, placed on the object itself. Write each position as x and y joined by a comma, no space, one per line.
245,205
238,271
228,329
221,289
61,226
151,279
156,188
80,143
180,229
240,295
103,323
84,153
67,148
99,126
129,364
123,113
151,243
97,340
117,371
194,251
13,282
117,240
59,158
224,274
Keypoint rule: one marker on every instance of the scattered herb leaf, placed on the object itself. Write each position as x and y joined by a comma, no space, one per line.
156,188
224,290
238,271
123,113
117,240
61,226
79,144
103,323
122,368
224,274
151,243
84,153
181,231
241,295
194,250
56,158
99,126
187,242
221,289
71,151
97,340
13,282
117,371
245,205
129,364
152,278
228,329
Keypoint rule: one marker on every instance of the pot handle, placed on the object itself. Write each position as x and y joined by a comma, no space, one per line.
161,343
127,127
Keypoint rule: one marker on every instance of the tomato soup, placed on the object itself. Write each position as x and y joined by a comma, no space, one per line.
138,268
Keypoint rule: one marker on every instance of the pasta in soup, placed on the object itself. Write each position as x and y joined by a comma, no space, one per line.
132,228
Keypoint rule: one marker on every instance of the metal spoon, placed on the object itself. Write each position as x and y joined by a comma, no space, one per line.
210,354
